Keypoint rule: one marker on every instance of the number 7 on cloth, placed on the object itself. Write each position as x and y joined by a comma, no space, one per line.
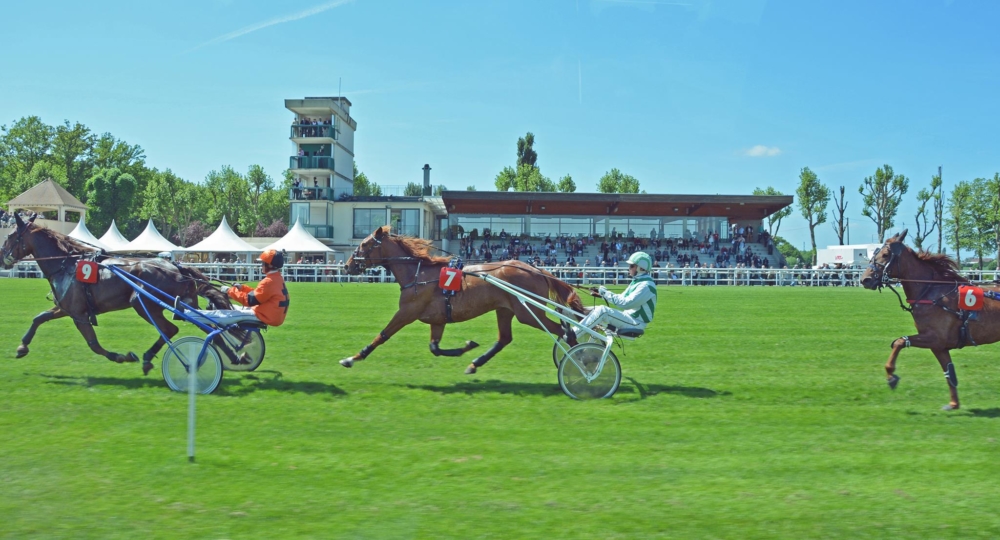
451,279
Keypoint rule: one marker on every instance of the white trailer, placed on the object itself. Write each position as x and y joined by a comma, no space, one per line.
857,254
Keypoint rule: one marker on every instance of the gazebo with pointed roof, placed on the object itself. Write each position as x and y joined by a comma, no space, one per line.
113,239
150,241
47,196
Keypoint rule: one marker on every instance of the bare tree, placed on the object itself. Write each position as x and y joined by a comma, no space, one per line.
839,222
924,230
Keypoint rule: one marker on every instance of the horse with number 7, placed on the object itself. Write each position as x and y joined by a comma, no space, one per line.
948,311
435,294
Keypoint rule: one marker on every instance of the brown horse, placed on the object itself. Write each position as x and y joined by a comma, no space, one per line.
931,283
57,255
421,300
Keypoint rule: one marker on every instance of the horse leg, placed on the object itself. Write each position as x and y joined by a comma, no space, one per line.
399,320
924,341
41,318
437,330
504,316
87,331
944,358
156,319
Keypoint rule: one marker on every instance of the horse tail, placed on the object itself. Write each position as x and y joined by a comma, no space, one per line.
216,298
564,294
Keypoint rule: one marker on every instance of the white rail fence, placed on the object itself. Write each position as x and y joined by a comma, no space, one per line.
336,273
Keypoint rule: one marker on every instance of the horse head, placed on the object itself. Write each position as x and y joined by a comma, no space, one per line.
880,267
14,247
369,252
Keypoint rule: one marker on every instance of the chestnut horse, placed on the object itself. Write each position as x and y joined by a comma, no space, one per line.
931,284
421,300
57,255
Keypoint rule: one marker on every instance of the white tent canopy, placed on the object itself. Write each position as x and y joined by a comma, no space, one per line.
83,234
223,240
298,240
113,240
149,241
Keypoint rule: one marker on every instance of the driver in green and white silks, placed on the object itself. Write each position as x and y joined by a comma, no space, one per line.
638,301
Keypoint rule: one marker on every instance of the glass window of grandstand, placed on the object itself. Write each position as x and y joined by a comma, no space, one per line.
367,220
300,212
406,222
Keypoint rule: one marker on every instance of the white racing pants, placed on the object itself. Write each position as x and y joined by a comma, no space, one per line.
603,315
225,317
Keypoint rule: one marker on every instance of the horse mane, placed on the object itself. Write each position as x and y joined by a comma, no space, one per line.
942,264
417,247
63,242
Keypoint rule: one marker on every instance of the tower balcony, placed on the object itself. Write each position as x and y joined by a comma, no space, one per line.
314,133
311,164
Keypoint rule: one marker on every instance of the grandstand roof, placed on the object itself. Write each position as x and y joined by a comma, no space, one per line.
547,203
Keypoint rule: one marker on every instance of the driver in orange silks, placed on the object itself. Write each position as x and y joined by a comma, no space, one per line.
268,303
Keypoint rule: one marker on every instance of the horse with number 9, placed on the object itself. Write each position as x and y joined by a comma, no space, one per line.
948,311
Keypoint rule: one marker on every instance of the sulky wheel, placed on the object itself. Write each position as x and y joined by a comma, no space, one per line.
581,375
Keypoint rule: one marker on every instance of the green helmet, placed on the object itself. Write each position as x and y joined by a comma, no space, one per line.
642,260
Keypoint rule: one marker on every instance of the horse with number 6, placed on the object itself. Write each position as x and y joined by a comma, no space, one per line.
82,290
948,311
436,298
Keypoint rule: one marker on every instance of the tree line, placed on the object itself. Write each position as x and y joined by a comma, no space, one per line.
112,178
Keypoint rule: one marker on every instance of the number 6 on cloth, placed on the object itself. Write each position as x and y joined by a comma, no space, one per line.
451,279
970,298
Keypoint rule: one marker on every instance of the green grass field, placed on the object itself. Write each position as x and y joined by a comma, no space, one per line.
744,413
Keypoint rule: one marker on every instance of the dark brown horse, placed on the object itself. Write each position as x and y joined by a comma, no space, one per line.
931,283
57,256
421,300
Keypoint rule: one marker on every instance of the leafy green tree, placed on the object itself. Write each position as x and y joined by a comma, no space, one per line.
260,184
470,188
615,181
566,184
72,148
993,193
524,178
42,170
229,193
982,219
170,202
111,194
526,154
774,220
923,228
958,217
813,197
26,143
364,187
440,189
883,194
413,189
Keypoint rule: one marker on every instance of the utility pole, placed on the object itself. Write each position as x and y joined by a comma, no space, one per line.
848,231
939,208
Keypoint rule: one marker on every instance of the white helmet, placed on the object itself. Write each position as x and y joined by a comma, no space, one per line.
642,260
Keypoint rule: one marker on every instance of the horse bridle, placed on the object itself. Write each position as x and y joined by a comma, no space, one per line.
8,256
882,270
361,259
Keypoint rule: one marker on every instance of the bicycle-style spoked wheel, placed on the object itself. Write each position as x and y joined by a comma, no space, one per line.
181,360
579,377
558,349
243,349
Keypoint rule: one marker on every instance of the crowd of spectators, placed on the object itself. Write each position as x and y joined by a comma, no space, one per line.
311,127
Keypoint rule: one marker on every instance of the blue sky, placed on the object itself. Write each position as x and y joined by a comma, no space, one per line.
688,96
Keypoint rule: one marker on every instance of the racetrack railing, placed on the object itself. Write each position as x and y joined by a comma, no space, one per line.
336,273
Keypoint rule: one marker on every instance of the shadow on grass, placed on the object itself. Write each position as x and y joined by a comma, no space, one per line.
985,413
252,382
88,382
541,389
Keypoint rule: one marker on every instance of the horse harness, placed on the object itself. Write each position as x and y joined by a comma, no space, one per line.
964,315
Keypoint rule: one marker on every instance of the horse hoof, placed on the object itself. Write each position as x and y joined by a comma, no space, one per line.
147,367
893,381
470,370
132,357
347,362
22,351
469,345
949,407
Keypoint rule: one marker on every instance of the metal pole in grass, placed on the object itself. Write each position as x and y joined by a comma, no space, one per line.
192,373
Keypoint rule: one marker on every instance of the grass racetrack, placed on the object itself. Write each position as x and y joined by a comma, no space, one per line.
743,413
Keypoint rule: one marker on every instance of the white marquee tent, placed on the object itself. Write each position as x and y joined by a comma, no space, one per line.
150,241
83,234
298,240
113,240
223,240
